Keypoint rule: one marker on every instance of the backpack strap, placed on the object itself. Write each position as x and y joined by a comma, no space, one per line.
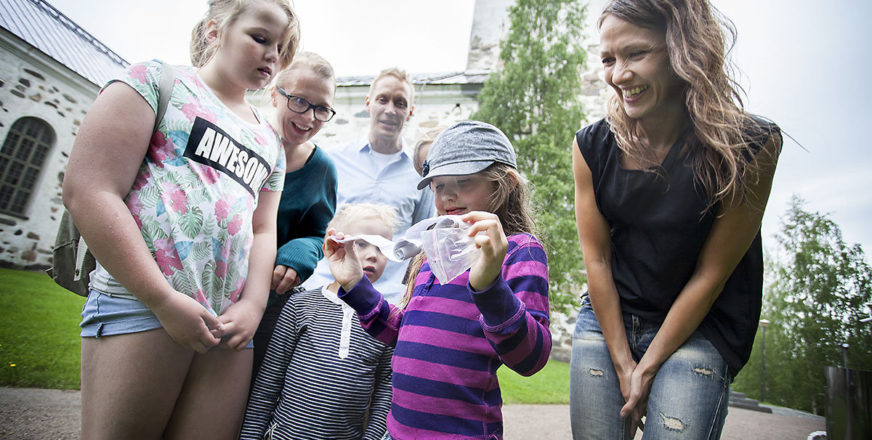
164,91
84,261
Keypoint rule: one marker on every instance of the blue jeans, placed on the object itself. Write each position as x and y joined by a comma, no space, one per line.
688,398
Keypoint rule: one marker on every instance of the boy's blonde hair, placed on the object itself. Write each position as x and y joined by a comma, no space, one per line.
399,74
225,13
351,213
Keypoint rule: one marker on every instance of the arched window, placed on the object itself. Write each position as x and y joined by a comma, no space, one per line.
24,151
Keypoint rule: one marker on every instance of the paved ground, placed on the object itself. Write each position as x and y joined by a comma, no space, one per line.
551,422
27,413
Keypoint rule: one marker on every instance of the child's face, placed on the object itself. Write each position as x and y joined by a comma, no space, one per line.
371,259
249,48
456,195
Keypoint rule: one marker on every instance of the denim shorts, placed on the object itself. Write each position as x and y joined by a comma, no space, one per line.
108,315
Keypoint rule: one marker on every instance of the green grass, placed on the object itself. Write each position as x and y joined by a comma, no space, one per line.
39,332
550,385
39,343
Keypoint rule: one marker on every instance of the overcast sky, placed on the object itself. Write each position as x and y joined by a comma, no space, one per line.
804,64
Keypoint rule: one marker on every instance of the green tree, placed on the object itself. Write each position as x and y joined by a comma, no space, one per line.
533,98
815,301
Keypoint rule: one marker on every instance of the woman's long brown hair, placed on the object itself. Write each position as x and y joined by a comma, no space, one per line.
718,143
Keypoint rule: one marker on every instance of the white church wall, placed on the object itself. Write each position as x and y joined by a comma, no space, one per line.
34,85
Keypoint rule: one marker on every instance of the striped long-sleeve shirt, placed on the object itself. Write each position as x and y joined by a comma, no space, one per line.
449,342
323,377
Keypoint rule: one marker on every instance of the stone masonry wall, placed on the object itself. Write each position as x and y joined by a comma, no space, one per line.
33,85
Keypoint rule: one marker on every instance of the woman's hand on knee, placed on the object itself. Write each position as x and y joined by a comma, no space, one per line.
637,398
625,376
188,323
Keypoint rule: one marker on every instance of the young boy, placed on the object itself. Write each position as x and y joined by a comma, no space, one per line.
323,376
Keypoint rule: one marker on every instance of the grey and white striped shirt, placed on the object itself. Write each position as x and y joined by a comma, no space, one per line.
320,379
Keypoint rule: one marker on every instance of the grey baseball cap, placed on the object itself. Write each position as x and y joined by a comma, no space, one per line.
467,147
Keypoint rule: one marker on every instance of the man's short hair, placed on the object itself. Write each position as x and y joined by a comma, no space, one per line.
399,74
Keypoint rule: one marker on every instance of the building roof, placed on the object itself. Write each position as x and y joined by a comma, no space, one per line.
47,29
468,77
42,26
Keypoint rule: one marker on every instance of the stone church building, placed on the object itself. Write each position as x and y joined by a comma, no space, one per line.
51,70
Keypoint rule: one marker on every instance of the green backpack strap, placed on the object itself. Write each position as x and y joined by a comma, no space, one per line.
72,263
164,91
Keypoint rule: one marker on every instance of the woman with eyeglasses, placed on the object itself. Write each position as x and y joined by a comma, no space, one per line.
303,97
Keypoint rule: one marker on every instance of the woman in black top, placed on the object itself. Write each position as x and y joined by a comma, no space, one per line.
670,190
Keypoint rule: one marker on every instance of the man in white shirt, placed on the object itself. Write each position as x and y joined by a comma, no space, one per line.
380,171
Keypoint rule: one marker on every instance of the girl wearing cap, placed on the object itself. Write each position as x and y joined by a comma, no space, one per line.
451,338
670,190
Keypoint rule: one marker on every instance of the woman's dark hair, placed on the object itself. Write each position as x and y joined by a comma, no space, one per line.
697,43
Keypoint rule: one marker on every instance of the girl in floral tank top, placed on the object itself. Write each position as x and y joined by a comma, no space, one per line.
181,218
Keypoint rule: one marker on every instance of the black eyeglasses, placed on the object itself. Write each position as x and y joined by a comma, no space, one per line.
301,105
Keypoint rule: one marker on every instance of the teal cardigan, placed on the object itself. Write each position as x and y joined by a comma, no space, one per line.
308,203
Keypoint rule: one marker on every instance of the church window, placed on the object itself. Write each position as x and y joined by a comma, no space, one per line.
21,159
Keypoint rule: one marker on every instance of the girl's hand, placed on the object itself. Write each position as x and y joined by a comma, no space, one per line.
493,245
343,261
284,279
188,323
240,322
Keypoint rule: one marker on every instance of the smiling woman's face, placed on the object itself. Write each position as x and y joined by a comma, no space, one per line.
636,65
297,128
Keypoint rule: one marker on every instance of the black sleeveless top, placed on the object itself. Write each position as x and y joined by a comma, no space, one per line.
658,224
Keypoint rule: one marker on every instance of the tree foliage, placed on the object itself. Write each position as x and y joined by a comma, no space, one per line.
815,301
533,98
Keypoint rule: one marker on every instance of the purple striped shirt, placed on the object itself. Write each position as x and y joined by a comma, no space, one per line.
450,341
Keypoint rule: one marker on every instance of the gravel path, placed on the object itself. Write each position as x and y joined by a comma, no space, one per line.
28,413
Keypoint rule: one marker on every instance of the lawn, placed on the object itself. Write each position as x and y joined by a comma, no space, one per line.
39,343
550,385
39,332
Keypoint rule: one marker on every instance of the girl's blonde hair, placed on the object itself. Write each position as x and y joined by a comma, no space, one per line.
351,213
310,60
225,13
510,201
697,48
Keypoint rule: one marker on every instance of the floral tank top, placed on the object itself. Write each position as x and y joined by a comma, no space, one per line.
197,188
